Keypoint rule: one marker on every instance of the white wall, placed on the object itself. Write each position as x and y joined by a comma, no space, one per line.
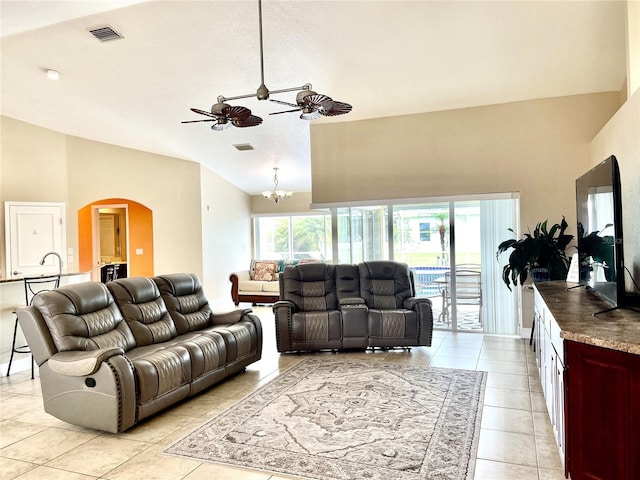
226,236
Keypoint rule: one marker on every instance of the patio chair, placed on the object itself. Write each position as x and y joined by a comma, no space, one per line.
468,289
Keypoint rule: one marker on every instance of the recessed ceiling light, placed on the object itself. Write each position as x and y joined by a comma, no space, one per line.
52,74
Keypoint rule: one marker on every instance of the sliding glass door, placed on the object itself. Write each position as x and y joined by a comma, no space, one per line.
362,234
450,246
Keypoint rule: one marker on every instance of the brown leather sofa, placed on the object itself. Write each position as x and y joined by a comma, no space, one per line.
343,306
112,355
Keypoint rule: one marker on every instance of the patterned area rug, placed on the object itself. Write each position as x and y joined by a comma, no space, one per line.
349,419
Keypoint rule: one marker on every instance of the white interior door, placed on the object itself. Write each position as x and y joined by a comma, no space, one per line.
33,229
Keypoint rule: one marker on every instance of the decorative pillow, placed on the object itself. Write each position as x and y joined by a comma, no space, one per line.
265,271
252,267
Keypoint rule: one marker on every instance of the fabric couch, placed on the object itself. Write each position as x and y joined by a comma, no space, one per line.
111,355
372,304
260,284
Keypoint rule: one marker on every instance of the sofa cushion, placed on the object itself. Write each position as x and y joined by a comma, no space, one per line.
310,327
144,310
399,323
250,286
84,317
271,287
185,301
384,284
159,369
310,287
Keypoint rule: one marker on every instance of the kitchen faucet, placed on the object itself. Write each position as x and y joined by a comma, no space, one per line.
59,260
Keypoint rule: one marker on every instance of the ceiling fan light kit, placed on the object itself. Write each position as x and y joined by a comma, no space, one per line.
311,104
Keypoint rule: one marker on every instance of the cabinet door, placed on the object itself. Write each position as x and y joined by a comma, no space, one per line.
603,413
558,405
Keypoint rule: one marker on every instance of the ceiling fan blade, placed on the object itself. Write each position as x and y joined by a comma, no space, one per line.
283,103
285,111
196,121
336,108
316,100
237,112
202,112
251,121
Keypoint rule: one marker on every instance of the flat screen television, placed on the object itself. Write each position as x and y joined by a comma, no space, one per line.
600,248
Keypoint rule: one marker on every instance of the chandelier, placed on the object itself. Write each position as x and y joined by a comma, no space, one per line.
275,194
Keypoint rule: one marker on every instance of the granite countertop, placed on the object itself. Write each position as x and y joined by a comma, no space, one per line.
573,311
19,279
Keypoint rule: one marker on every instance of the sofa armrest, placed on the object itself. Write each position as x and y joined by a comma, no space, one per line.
235,278
230,317
81,363
352,301
412,303
37,334
422,306
283,311
241,276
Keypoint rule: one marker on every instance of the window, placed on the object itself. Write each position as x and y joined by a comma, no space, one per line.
293,237
425,232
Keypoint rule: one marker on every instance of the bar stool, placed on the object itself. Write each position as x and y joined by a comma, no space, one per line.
32,286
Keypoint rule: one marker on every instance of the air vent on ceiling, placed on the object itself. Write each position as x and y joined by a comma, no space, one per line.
105,34
243,146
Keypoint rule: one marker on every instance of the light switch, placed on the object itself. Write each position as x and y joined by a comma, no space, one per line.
139,251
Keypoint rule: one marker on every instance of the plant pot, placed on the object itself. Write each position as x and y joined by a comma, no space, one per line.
539,274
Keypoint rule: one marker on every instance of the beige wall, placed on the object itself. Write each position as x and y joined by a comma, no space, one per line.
537,148
33,166
38,164
621,137
169,187
633,46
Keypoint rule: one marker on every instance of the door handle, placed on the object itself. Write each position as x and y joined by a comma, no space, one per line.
15,272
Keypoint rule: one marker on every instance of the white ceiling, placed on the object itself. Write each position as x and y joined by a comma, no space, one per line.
385,58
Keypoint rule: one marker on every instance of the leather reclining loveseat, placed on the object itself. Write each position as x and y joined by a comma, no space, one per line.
111,355
335,307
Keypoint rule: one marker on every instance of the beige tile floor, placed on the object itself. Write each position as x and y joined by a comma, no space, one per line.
516,440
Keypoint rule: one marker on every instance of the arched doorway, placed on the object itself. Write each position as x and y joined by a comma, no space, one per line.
139,236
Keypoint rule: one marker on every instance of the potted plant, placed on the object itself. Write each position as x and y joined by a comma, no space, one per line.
540,252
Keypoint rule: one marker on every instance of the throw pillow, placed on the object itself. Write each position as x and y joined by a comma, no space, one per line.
264,271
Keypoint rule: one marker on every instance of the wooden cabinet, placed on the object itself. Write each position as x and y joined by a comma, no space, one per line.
590,373
603,413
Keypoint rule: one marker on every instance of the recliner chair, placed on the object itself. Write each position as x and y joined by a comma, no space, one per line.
396,316
307,315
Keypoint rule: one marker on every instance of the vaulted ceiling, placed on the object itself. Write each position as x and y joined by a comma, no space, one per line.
385,58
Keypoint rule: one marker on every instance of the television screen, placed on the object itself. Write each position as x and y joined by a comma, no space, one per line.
599,215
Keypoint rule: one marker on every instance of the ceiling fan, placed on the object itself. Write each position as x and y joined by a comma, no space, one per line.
225,115
311,104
